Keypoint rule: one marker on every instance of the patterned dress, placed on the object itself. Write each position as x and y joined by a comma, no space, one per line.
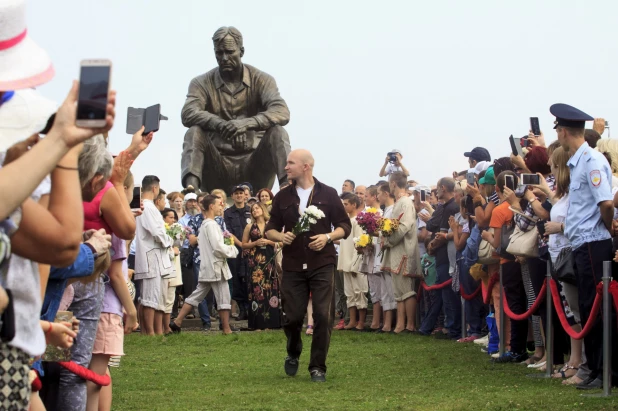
265,311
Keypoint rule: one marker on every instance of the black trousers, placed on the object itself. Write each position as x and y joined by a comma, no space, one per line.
295,289
589,263
518,303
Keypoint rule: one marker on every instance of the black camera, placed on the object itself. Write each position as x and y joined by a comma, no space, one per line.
392,157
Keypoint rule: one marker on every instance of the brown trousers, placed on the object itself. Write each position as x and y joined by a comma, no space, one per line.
295,289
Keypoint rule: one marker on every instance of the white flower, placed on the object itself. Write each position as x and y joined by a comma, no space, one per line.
356,239
312,220
314,212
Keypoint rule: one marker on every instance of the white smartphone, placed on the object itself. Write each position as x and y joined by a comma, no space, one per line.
94,82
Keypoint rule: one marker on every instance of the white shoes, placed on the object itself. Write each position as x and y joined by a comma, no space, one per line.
482,341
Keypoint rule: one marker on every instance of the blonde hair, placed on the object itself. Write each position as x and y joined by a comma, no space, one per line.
559,159
265,212
460,187
606,145
217,192
101,265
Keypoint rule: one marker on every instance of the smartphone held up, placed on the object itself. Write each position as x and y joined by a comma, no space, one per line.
94,83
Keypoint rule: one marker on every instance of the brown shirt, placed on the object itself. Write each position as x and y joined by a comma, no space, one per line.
285,214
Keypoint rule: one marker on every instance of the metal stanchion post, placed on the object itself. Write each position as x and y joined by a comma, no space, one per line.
502,319
607,332
549,332
463,316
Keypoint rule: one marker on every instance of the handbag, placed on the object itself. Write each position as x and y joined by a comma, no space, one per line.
524,243
486,252
564,267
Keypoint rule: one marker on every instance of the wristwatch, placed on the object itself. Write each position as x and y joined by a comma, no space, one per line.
329,240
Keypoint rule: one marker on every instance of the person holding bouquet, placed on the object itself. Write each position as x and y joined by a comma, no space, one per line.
264,311
309,257
355,284
214,271
401,255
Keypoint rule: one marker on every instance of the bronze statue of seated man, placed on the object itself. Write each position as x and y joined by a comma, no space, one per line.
235,117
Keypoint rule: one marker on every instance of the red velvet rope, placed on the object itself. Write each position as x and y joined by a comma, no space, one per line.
562,316
86,374
535,306
490,285
472,296
437,286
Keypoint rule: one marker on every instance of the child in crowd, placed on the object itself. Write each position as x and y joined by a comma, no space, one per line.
354,282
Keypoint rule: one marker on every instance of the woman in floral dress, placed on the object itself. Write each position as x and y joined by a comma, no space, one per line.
265,309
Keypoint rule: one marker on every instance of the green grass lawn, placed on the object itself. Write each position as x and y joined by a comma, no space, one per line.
199,371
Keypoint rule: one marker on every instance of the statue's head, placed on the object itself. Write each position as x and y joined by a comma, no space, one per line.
228,48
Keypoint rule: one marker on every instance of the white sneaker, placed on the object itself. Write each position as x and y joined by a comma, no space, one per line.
495,355
482,341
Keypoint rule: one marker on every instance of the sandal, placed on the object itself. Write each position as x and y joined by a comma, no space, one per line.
309,330
574,380
561,373
532,360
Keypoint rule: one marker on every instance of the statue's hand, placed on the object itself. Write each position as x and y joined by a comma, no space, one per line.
234,128
239,141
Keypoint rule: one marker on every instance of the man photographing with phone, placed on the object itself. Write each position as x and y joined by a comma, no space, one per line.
393,163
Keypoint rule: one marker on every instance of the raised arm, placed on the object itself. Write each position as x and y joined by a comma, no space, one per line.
115,205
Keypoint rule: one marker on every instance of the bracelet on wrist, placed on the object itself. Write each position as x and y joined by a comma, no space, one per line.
51,327
61,167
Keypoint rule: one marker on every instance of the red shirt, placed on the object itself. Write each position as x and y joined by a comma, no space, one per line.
92,212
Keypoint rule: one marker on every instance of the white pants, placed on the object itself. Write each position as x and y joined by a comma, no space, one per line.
355,288
387,299
221,290
151,293
375,287
168,295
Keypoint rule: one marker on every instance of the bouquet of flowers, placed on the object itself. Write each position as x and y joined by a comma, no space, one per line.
363,244
369,220
176,231
311,216
387,226
227,238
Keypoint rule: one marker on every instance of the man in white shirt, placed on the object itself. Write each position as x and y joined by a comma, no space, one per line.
393,163
152,259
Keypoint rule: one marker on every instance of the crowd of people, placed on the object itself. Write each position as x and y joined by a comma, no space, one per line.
80,268
496,224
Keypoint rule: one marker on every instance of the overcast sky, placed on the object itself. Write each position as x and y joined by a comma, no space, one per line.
432,79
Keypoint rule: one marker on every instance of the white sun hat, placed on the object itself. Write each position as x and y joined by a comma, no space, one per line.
23,64
25,114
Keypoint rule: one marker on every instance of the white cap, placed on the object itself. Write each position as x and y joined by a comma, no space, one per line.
190,196
25,114
480,166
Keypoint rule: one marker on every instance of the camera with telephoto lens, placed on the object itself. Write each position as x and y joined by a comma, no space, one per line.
392,157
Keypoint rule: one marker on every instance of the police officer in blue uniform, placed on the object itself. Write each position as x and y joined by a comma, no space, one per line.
588,225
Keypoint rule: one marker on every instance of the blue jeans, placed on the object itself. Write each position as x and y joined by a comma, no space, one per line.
452,307
470,254
202,308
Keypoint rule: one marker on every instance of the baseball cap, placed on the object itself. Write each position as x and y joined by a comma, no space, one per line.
480,166
478,154
25,114
190,196
239,187
489,177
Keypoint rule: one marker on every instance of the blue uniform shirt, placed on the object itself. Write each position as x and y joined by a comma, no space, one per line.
591,184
